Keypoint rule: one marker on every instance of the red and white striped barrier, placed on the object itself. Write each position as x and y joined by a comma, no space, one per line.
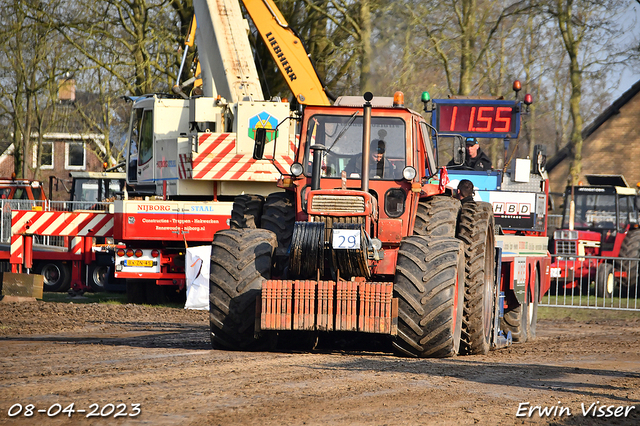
65,224
81,226
215,161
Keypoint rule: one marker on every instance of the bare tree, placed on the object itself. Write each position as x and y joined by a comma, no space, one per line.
136,41
32,60
589,31
352,26
459,34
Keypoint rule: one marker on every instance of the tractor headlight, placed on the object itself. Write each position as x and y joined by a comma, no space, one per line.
296,169
409,173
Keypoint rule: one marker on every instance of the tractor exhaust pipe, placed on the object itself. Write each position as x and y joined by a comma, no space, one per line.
316,169
366,137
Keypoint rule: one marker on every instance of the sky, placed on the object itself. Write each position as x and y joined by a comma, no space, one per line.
630,76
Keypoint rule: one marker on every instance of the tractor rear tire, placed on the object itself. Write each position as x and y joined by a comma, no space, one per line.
56,275
630,248
246,212
429,285
476,230
240,262
279,216
437,217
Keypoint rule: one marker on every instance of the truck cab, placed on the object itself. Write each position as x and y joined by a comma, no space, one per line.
21,189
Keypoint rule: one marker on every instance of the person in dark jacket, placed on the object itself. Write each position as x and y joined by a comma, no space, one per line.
379,165
465,191
475,159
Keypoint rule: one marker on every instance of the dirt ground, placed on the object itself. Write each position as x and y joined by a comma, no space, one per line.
95,355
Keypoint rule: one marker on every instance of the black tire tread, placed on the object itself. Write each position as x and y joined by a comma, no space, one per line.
246,211
425,286
437,216
240,262
514,320
475,228
278,216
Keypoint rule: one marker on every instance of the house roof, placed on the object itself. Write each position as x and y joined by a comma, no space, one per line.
610,111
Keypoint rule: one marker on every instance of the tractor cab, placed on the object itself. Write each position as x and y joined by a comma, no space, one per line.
597,216
361,167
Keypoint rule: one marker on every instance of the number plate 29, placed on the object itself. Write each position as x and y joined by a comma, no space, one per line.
346,239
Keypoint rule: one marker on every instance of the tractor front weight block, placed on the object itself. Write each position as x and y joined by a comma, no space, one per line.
367,307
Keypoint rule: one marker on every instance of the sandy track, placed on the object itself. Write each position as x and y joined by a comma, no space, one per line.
161,359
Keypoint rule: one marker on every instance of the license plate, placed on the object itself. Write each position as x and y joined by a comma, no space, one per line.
555,272
138,262
346,239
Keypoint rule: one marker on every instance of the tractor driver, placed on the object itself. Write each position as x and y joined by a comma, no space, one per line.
475,159
379,165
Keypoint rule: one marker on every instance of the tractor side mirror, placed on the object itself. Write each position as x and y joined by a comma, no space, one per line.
459,150
261,141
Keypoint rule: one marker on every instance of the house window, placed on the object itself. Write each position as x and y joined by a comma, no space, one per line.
75,157
46,156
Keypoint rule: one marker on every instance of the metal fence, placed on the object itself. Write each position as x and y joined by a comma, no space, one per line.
594,282
7,206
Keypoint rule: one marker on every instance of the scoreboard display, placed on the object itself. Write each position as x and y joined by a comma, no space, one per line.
477,118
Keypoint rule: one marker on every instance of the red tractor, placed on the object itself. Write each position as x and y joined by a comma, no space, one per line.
385,251
599,221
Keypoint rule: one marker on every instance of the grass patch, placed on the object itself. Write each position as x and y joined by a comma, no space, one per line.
591,300
580,314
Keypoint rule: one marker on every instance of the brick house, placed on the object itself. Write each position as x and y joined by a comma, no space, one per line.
611,144
66,147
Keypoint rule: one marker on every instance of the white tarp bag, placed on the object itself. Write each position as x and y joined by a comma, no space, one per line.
198,265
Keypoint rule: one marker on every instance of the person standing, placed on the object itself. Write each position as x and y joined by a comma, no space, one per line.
475,159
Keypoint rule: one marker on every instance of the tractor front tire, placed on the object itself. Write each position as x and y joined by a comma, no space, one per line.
437,216
429,285
240,263
476,230
246,212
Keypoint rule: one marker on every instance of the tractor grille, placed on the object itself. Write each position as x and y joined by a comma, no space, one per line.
338,203
329,221
566,247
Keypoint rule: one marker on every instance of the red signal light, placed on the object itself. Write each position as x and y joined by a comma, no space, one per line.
528,99
155,253
138,253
